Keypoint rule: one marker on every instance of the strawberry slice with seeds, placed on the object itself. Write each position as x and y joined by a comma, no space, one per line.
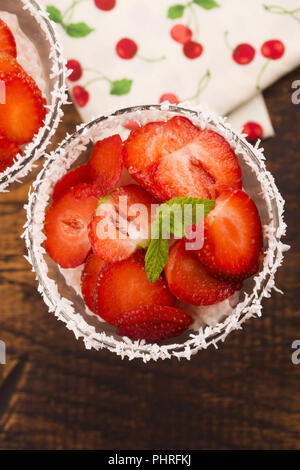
153,323
121,223
145,145
92,269
23,112
189,280
124,286
233,236
197,168
81,174
8,152
7,40
106,163
66,226
8,63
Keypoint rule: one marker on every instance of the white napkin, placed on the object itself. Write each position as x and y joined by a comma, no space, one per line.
225,85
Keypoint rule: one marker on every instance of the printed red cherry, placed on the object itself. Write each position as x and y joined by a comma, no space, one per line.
273,49
192,49
173,99
181,33
105,5
80,95
126,48
75,66
243,54
253,130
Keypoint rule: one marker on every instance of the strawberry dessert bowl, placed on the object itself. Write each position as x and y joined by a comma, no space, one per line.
158,240
32,79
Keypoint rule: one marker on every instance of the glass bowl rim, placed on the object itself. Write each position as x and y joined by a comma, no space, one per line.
217,333
59,97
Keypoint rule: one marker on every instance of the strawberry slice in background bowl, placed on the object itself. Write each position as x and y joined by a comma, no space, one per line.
110,300
33,71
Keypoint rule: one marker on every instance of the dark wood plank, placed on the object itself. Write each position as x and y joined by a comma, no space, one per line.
243,396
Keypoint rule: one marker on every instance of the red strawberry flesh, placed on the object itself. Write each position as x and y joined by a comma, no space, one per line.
145,145
121,223
153,323
196,169
66,226
7,40
190,282
23,112
81,174
233,236
106,163
92,268
124,286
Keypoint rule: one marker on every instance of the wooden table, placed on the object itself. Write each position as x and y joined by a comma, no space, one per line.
244,396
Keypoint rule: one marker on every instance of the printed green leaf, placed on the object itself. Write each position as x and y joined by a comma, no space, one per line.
172,218
156,258
78,30
207,4
176,11
121,87
54,14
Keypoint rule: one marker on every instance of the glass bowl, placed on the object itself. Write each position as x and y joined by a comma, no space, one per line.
69,306
35,24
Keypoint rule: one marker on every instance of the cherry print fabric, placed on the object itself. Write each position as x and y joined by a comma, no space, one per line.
222,53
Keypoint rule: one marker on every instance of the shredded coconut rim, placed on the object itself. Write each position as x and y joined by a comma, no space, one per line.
58,163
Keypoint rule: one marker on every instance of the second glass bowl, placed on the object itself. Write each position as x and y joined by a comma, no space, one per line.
35,24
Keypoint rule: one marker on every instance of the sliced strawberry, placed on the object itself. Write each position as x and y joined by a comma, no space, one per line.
233,236
124,286
66,226
106,163
145,145
122,223
81,174
24,112
8,63
196,168
8,152
92,269
190,282
7,40
153,323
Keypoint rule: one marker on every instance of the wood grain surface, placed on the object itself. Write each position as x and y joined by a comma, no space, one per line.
56,395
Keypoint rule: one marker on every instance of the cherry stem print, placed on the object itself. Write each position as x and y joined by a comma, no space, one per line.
204,81
258,82
278,10
273,50
75,30
193,18
127,49
117,87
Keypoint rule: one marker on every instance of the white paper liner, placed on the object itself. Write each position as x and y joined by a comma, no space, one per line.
34,150
60,161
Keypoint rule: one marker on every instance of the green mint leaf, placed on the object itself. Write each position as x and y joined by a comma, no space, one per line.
207,4
54,14
156,258
176,11
120,87
78,30
172,217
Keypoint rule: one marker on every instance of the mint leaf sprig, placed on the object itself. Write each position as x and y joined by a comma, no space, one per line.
172,218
